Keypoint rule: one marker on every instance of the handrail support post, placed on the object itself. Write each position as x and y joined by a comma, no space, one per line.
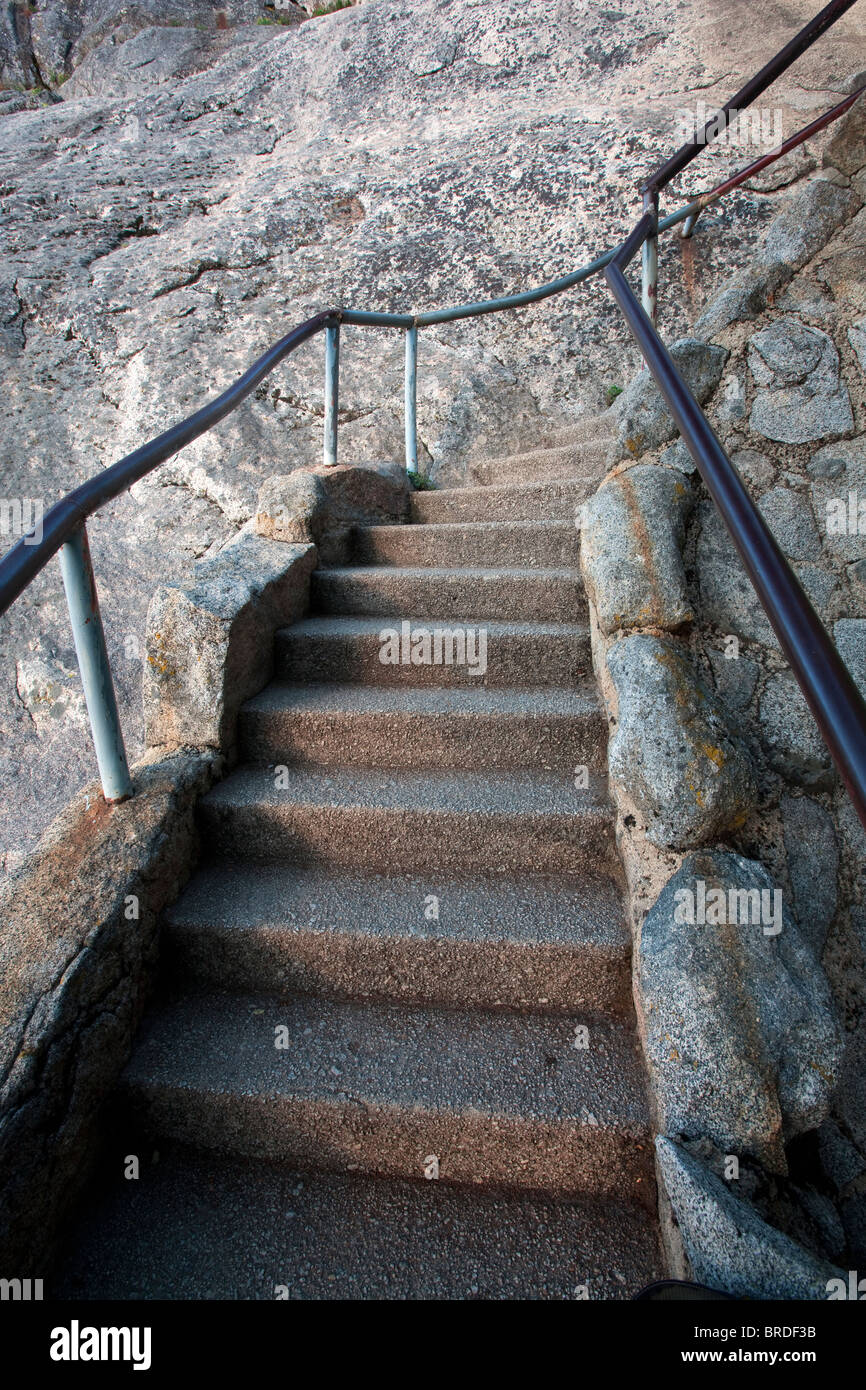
650,258
411,411
332,391
89,637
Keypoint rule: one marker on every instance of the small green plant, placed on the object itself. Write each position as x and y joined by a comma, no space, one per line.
420,481
611,394
332,7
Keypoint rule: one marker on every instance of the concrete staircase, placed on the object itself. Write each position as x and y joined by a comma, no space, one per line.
402,875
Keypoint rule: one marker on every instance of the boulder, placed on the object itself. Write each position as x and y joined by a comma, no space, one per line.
738,1023
210,646
801,395
813,865
790,735
673,752
728,1245
631,539
642,417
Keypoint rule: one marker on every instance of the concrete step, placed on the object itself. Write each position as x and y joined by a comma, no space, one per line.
199,1226
492,821
545,943
530,544
455,594
428,726
350,649
585,460
548,501
498,1098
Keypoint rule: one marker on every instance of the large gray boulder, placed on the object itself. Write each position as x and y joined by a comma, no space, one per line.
642,417
738,1023
322,504
673,752
728,1245
802,396
631,538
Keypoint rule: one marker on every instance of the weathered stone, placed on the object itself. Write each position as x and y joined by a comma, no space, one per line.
802,396
813,864
846,149
734,1013
643,421
789,517
678,456
754,467
850,637
210,646
291,507
800,230
728,599
77,964
790,735
632,532
811,217
850,1101
736,678
838,488
840,1159
672,751
728,1245
857,339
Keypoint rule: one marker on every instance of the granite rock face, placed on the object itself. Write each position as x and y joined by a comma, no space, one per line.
631,538
673,751
739,1026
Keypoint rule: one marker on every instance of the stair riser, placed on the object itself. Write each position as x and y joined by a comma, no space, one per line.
396,740
555,502
455,597
408,839
513,661
406,970
366,1136
509,547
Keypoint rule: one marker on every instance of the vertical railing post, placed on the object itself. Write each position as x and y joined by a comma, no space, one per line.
332,391
650,260
412,399
89,637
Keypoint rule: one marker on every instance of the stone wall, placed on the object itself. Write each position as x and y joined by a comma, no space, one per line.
744,857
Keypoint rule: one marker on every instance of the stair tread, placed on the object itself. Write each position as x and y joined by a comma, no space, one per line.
202,1226
399,1057
363,625
482,527
549,910
540,701
428,574
481,793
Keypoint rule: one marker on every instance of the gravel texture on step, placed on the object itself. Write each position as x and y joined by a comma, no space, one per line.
198,1226
551,944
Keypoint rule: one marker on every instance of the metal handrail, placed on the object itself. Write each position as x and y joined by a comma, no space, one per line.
830,692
